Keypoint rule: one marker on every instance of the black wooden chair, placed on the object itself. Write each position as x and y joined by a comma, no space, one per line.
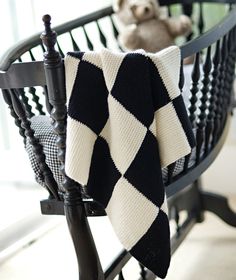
26,82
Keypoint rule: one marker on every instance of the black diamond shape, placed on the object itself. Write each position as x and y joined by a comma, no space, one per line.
88,103
145,172
153,249
103,173
132,87
160,95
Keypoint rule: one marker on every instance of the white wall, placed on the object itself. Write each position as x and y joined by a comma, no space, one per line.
18,20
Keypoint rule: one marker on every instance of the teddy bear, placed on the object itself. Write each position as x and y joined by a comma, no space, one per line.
147,26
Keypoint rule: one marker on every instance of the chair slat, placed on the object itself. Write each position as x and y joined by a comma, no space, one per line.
101,35
7,99
121,276
203,107
35,99
31,55
19,108
201,19
60,50
188,11
114,29
194,90
74,44
224,86
89,43
216,92
25,100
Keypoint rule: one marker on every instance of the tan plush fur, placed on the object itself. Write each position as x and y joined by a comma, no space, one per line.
147,26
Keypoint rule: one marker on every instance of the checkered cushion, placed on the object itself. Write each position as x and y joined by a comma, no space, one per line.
44,132
42,126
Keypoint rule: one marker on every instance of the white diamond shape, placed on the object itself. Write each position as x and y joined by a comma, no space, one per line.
93,58
130,213
111,62
71,68
167,62
79,149
172,140
123,133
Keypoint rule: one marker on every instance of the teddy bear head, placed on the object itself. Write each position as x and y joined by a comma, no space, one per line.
136,11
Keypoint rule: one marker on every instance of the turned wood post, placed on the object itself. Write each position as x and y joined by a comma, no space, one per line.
88,261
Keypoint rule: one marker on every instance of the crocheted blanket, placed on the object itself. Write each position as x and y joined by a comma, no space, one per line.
127,120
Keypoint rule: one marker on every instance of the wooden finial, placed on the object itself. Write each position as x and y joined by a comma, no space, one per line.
49,38
47,22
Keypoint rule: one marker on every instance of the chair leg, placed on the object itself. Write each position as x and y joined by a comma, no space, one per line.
88,260
218,205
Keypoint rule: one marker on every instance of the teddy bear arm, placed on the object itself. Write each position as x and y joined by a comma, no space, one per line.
130,38
179,26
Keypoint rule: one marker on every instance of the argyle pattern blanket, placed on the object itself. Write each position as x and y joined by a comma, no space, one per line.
127,120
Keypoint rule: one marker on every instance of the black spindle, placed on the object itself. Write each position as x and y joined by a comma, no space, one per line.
230,65
201,19
31,55
25,99
35,98
89,43
115,31
36,146
225,85
121,276
194,90
101,35
219,94
60,50
201,125
7,99
216,91
188,11
74,44
193,99
212,99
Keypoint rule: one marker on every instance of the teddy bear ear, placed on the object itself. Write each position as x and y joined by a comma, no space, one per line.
117,5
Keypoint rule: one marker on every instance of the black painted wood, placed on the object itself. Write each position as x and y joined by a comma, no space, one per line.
103,39
88,262
188,11
75,45
201,19
25,102
35,99
36,146
89,43
8,100
201,126
218,205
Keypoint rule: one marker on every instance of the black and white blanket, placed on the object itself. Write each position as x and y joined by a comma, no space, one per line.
127,120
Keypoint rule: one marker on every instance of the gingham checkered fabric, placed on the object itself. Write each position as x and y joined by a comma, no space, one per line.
47,138
127,120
